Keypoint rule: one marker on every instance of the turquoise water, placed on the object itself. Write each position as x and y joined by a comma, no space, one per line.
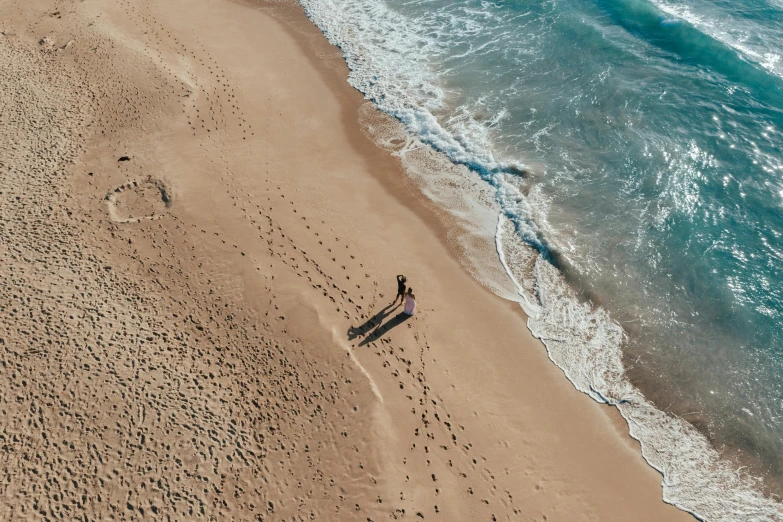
637,146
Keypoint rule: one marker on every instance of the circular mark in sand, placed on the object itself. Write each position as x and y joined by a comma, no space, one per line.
137,201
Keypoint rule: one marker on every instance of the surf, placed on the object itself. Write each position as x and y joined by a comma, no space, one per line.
568,148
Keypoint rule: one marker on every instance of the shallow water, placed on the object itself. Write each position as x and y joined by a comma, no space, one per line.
635,148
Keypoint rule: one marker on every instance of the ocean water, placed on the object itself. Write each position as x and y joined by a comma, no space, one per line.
634,149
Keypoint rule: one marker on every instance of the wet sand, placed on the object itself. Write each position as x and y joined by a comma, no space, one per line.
199,249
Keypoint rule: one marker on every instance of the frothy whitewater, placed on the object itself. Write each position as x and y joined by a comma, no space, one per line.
632,151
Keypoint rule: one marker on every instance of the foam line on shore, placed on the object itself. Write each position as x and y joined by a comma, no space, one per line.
582,340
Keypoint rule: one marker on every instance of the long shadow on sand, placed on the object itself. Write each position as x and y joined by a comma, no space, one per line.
373,322
384,328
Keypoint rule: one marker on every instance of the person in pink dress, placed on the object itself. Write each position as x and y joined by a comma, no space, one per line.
410,303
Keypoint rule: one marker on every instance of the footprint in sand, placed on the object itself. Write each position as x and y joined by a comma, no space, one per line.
137,201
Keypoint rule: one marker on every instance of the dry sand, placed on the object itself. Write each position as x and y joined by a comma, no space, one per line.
187,334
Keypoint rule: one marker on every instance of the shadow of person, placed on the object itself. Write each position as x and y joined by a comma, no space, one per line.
373,322
382,329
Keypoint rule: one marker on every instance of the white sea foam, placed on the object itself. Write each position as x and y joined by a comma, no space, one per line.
390,63
586,344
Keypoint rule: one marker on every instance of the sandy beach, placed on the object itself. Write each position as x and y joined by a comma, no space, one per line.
199,247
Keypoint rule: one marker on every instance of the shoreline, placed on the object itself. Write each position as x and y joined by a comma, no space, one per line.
739,470
224,363
437,219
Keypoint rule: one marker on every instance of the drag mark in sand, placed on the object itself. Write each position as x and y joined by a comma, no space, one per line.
131,388
373,386
136,380
435,433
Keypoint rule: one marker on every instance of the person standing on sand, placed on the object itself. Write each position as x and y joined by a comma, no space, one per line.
410,303
401,280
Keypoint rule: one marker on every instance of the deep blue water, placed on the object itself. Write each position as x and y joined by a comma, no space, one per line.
646,138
